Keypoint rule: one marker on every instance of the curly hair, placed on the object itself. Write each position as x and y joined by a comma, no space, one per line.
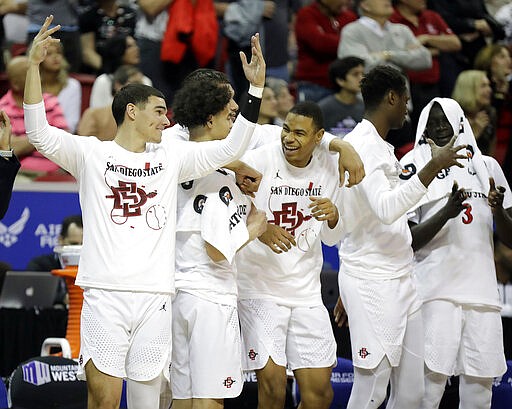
204,93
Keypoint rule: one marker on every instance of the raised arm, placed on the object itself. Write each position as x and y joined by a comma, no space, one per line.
200,159
37,54
390,204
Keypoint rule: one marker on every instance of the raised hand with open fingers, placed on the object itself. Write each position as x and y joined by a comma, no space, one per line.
42,41
447,155
254,70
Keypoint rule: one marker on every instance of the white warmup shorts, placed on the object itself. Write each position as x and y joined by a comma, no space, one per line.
206,358
300,337
462,339
377,313
126,334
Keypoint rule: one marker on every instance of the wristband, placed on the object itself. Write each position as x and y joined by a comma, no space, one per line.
256,91
6,154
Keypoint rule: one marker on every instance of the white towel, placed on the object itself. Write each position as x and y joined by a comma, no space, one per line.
474,174
222,222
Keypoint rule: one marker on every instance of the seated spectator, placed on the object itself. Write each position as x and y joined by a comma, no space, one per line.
119,50
71,234
433,33
104,19
317,30
32,163
268,107
284,98
344,110
473,93
100,121
56,81
378,41
495,60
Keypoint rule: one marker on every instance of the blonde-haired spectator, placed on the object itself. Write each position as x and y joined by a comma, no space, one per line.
473,92
55,80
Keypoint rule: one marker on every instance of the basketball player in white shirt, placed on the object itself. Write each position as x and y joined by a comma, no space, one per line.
376,255
452,236
283,320
215,219
127,193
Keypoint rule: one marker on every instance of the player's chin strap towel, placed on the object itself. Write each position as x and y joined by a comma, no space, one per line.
474,174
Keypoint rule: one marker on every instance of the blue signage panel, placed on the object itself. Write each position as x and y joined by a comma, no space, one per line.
32,224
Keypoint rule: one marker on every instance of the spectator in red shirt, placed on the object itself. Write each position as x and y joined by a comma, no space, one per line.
432,32
317,29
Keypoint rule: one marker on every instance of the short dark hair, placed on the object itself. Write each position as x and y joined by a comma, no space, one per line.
378,82
340,68
311,110
204,92
68,221
137,94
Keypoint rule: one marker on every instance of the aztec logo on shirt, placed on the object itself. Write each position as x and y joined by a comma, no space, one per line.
292,213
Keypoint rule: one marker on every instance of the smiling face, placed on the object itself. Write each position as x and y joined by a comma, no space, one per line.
222,122
151,119
299,138
438,126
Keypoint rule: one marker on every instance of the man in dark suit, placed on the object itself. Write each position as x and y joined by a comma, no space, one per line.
9,164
